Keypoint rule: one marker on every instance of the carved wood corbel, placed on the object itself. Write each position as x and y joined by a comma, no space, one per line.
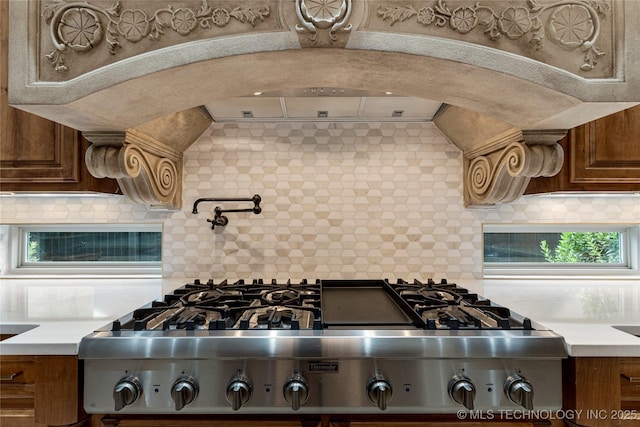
502,176
148,170
499,159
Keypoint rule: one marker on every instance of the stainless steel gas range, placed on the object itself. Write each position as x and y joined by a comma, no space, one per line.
329,346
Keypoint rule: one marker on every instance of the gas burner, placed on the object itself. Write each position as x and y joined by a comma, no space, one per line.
449,297
431,297
283,297
446,306
448,318
190,319
272,317
211,297
279,317
276,317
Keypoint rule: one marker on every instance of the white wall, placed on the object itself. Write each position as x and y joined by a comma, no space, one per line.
340,200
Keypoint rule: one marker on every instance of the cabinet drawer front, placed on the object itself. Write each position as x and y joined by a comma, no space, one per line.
17,382
630,385
16,370
630,369
629,393
17,391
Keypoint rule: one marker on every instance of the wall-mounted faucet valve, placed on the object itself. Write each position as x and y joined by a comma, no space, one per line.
218,213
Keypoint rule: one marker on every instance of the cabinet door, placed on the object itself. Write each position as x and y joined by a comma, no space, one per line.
37,154
604,391
58,398
603,155
607,151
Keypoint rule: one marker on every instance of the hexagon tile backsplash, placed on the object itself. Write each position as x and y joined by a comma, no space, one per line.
340,200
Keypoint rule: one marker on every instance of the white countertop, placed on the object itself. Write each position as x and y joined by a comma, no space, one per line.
582,311
65,310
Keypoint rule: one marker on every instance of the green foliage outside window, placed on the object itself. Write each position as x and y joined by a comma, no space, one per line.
584,247
32,254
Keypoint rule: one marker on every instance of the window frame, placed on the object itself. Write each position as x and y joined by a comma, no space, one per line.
21,266
629,248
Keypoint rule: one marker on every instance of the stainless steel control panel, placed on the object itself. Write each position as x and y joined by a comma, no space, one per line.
363,385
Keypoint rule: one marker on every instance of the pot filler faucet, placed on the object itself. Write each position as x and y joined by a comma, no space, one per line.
219,218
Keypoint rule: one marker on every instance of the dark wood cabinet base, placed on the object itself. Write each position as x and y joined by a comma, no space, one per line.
41,390
604,391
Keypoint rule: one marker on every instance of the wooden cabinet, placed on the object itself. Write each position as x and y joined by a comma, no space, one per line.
37,154
630,385
603,155
604,392
37,391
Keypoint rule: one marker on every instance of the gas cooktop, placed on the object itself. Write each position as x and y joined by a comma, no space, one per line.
323,304
328,346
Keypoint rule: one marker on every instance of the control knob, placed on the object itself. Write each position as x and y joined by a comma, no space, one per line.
126,392
296,391
238,391
462,391
520,391
379,391
183,392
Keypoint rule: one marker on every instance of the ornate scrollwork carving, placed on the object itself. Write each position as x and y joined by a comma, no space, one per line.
160,175
82,26
147,160
325,15
570,24
502,176
144,177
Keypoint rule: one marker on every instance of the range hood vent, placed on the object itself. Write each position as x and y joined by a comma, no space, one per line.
314,104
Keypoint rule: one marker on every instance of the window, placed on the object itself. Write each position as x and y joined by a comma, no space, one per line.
95,249
526,249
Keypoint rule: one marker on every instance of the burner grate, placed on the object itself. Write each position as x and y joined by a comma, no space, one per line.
294,306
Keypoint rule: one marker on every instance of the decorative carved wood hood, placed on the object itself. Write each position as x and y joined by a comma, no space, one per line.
514,75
